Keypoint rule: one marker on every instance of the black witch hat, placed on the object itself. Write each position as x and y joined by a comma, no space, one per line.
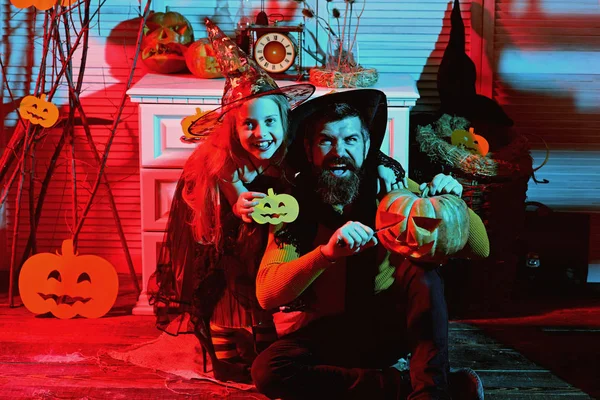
456,83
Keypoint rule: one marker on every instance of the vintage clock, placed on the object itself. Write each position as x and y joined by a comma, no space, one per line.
275,52
277,49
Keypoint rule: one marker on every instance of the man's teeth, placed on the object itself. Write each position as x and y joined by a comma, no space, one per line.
263,145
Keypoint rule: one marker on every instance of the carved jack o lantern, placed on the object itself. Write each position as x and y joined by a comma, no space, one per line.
433,227
165,41
67,285
38,111
274,209
201,61
472,142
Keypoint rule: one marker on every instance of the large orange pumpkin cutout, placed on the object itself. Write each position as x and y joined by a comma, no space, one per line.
38,111
274,209
68,285
200,60
433,227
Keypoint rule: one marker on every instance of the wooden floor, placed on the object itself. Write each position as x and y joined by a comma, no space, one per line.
47,358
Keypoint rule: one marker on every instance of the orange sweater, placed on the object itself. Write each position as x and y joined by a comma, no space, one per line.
284,275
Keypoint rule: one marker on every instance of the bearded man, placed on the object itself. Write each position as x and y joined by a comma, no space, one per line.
348,308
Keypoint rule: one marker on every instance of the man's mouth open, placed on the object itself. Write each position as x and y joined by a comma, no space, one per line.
339,169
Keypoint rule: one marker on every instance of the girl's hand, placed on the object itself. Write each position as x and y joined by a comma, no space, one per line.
244,206
388,180
351,238
441,184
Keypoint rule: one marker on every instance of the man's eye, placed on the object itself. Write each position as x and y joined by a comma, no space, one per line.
351,140
324,142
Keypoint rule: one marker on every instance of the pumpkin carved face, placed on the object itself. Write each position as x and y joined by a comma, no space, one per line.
432,228
472,142
38,111
200,60
274,209
68,285
39,4
165,41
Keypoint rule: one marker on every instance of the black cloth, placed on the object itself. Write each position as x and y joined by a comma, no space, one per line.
349,356
190,278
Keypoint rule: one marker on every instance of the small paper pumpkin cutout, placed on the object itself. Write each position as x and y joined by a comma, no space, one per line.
39,4
472,142
276,208
187,121
433,228
38,111
68,284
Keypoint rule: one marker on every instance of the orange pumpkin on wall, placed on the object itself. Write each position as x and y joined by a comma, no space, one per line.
200,60
39,4
38,111
68,285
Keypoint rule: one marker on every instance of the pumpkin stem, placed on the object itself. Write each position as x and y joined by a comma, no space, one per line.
67,248
425,192
43,96
270,192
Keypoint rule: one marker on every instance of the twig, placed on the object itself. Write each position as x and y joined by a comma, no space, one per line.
115,124
32,224
17,217
342,38
358,24
77,103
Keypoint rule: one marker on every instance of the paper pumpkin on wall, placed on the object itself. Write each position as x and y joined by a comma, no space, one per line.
68,284
433,228
39,4
165,41
472,142
38,111
276,208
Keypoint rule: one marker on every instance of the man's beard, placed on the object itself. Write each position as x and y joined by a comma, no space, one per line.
337,190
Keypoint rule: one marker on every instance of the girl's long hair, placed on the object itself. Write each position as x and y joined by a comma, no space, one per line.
215,160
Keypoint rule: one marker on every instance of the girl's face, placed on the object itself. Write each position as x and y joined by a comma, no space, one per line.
259,127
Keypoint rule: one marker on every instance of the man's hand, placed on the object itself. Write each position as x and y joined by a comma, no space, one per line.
441,184
350,239
388,180
244,206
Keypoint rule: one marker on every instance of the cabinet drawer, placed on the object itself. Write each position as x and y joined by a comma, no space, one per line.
157,188
160,138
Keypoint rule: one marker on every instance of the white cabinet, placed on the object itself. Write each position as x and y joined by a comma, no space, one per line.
163,100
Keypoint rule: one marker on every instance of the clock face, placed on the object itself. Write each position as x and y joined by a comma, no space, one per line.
274,52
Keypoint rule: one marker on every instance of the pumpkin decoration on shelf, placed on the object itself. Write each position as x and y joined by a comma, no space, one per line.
38,111
275,209
432,229
67,284
200,60
476,144
188,121
165,40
